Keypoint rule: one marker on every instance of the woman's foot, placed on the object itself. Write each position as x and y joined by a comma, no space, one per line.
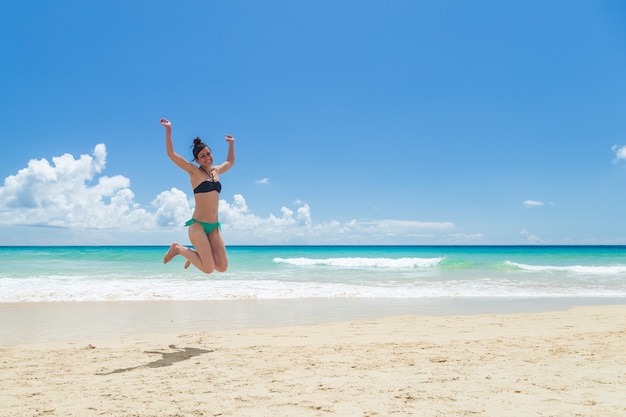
171,253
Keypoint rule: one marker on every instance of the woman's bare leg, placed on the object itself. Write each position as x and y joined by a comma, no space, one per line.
219,255
218,250
210,253
203,259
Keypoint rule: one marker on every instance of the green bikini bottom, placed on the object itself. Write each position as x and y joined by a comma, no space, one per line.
208,227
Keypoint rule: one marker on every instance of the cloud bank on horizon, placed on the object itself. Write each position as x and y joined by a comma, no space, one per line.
73,194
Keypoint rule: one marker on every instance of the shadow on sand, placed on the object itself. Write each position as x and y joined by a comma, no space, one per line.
168,359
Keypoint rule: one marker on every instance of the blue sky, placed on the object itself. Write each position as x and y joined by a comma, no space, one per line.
356,122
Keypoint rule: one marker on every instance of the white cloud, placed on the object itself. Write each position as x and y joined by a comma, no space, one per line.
532,203
59,195
297,227
172,208
246,226
620,153
394,227
263,181
463,238
530,238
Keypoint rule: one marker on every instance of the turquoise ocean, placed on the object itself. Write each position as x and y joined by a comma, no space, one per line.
410,273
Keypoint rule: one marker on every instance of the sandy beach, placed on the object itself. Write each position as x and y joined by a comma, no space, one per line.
565,363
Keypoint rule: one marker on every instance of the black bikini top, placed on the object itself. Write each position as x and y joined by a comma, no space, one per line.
208,186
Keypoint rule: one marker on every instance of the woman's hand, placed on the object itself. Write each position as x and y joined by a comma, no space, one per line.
228,138
165,123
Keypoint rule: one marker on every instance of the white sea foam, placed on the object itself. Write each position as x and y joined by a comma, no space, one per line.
360,262
38,290
575,269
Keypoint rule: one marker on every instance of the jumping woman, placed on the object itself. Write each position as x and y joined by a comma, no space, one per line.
204,227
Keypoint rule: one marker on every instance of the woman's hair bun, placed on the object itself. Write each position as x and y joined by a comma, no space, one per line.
198,146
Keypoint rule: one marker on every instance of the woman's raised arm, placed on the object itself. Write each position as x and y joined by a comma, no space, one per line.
169,147
230,158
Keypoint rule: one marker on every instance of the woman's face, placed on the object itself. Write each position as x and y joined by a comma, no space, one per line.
205,158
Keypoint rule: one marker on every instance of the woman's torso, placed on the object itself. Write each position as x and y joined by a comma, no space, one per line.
207,202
